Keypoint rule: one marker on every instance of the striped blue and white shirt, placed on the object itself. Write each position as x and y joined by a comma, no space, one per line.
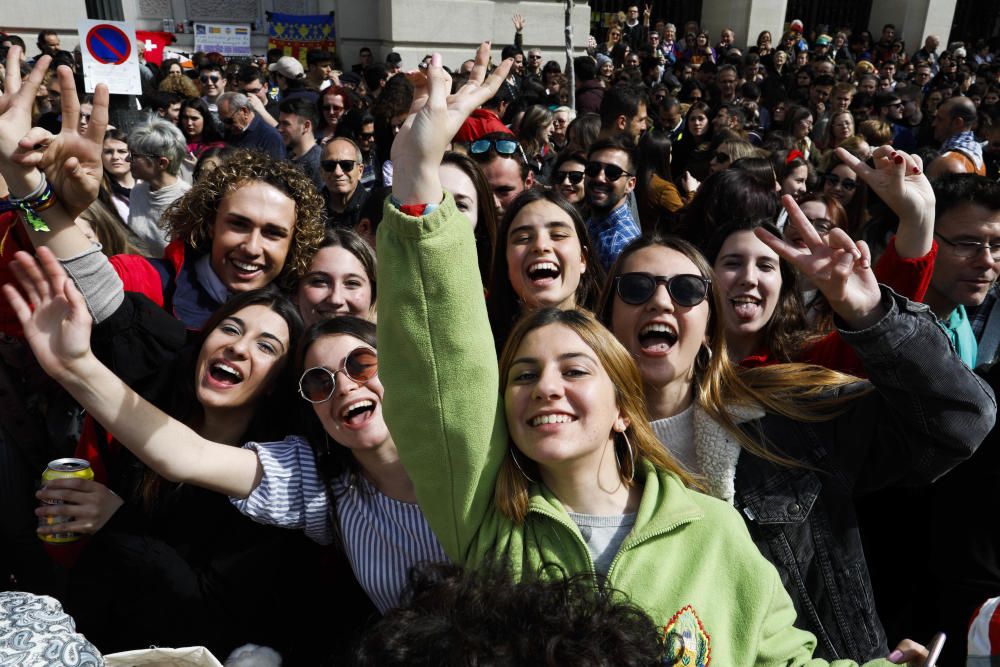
383,537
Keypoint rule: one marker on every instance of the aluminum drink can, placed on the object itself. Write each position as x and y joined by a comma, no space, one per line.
62,469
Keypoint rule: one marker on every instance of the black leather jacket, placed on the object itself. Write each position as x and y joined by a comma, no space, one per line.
926,414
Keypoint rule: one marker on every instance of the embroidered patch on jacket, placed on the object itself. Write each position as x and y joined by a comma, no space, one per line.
686,642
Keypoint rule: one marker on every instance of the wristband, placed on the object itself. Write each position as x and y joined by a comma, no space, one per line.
40,199
415,210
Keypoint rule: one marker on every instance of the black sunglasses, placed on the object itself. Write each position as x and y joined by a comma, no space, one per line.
214,79
366,135
833,180
574,177
612,172
318,384
685,289
346,166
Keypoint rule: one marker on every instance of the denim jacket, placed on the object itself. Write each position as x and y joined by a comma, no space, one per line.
927,413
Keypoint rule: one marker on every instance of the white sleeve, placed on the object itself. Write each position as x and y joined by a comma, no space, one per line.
291,493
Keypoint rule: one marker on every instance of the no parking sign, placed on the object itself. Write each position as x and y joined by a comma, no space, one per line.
110,56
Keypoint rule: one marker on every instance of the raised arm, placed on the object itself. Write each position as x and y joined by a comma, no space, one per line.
898,179
57,326
71,161
929,411
438,364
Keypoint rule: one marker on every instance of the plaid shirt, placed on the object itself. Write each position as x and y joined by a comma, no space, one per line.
612,234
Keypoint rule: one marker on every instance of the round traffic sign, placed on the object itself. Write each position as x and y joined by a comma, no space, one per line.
108,44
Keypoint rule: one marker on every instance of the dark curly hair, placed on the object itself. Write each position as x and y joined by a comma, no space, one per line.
192,216
452,616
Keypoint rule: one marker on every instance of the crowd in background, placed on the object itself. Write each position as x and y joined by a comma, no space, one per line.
773,270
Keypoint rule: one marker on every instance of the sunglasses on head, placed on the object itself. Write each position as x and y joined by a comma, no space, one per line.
612,172
686,289
318,383
501,146
346,166
205,78
833,180
574,177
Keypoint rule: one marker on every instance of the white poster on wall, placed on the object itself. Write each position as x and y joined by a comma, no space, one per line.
229,39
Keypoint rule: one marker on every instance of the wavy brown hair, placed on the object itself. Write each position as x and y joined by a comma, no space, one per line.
800,392
192,217
512,492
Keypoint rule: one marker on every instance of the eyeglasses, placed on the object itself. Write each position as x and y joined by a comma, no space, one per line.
346,166
213,78
833,181
330,107
318,384
535,57
574,177
970,249
505,147
366,136
612,172
720,157
686,289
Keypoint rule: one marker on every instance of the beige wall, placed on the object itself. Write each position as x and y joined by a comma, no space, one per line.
27,17
747,18
914,20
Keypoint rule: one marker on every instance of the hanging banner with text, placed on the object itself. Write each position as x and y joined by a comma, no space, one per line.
229,39
110,56
295,34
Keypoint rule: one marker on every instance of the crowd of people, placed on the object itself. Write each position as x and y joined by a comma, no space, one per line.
690,363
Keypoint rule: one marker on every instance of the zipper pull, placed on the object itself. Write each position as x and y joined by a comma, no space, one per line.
749,513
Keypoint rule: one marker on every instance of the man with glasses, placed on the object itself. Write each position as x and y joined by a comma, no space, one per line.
610,174
342,168
961,568
213,85
156,151
252,83
297,121
243,128
505,166
533,69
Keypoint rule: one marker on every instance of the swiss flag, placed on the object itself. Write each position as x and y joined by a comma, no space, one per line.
153,43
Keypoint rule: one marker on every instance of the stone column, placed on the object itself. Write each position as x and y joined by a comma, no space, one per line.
747,18
914,20
414,28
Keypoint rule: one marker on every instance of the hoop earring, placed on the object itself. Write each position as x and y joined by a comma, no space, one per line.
518,464
631,458
702,363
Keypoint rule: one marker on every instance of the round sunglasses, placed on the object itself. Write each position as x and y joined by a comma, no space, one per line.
685,289
317,384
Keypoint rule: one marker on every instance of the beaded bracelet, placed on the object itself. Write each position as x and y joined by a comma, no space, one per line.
40,199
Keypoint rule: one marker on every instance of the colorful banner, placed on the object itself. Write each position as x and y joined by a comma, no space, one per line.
226,38
297,34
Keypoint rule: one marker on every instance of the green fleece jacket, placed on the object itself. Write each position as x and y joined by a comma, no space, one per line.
688,562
